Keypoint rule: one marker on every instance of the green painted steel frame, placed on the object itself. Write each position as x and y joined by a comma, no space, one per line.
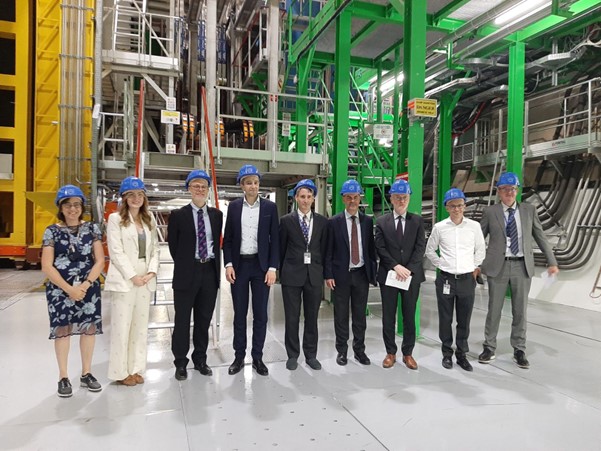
342,80
515,108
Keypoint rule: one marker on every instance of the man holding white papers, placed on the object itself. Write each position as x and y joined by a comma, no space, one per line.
400,243
461,248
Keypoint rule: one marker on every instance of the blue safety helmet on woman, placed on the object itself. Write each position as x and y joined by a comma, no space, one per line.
247,170
351,187
508,178
400,187
130,184
197,174
453,193
306,183
67,191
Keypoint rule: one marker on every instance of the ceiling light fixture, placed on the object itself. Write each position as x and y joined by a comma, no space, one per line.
522,10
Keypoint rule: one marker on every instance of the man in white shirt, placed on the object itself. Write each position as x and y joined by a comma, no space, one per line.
461,246
251,255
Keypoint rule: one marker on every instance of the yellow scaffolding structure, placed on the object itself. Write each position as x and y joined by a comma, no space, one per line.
14,209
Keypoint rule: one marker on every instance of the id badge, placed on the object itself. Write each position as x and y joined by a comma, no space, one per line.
508,242
307,258
77,282
446,288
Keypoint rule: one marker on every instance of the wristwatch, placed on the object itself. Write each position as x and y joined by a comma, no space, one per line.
90,281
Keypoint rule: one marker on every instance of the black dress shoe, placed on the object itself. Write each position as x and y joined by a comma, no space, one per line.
519,357
236,366
181,373
204,369
486,356
260,367
464,364
447,362
341,359
362,359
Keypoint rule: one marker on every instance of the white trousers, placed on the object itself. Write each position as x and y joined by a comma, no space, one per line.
129,330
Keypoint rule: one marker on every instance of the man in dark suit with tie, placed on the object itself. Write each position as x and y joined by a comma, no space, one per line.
511,227
251,255
303,235
400,243
350,266
194,236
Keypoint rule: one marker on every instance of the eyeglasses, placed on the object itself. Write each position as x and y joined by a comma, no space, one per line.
456,207
198,187
508,189
69,205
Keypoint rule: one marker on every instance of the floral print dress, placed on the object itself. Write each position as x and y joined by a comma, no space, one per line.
73,258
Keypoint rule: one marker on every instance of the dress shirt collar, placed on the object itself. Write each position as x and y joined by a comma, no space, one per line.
505,207
255,205
301,214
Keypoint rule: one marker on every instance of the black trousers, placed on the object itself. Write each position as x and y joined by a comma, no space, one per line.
461,297
389,311
249,274
309,296
354,293
201,298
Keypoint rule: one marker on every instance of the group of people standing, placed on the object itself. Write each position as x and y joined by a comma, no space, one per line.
308,250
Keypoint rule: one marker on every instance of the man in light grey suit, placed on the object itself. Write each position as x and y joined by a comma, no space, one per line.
509,261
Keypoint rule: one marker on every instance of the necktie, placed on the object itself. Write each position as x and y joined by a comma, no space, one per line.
201,235
305,228
399,228
354,242
511,230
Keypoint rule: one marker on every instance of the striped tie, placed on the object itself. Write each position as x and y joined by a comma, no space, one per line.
512,231
203,251
305,228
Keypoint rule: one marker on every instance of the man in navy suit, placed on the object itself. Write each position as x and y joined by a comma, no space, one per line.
194,236
251,255
350,266
400,243
303,235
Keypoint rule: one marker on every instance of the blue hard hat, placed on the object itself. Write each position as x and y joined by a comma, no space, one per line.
197,174
131,183
306,183
453,193
67,191
508,178
246,170
400,187
351,187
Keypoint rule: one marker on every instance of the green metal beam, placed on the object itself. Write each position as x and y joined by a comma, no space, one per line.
331,10
515,107
445,153
302,89
342,82
364,33
356,61
377,13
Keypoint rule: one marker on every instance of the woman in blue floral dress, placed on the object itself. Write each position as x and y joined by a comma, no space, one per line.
72,258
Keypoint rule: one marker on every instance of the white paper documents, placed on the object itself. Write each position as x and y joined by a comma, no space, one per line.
392,281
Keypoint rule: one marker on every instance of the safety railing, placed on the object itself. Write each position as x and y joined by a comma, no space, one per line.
151,39
561,120
318,124
253,47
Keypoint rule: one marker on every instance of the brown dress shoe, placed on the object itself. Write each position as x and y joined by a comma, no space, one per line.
409,362
389,361
130,381
138,378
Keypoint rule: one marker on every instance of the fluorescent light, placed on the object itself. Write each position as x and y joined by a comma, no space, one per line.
389,85
375,77
525,8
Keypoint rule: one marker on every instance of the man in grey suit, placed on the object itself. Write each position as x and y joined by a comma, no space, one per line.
303,235
509,261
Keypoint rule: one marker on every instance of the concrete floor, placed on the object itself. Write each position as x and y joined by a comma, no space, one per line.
555,405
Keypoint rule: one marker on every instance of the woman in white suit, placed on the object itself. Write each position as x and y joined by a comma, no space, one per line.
134,253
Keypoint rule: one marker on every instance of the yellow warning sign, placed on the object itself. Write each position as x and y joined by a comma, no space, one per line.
422,107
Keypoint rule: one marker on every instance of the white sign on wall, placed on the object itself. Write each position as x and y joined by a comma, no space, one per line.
170,104
383,131
170,148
